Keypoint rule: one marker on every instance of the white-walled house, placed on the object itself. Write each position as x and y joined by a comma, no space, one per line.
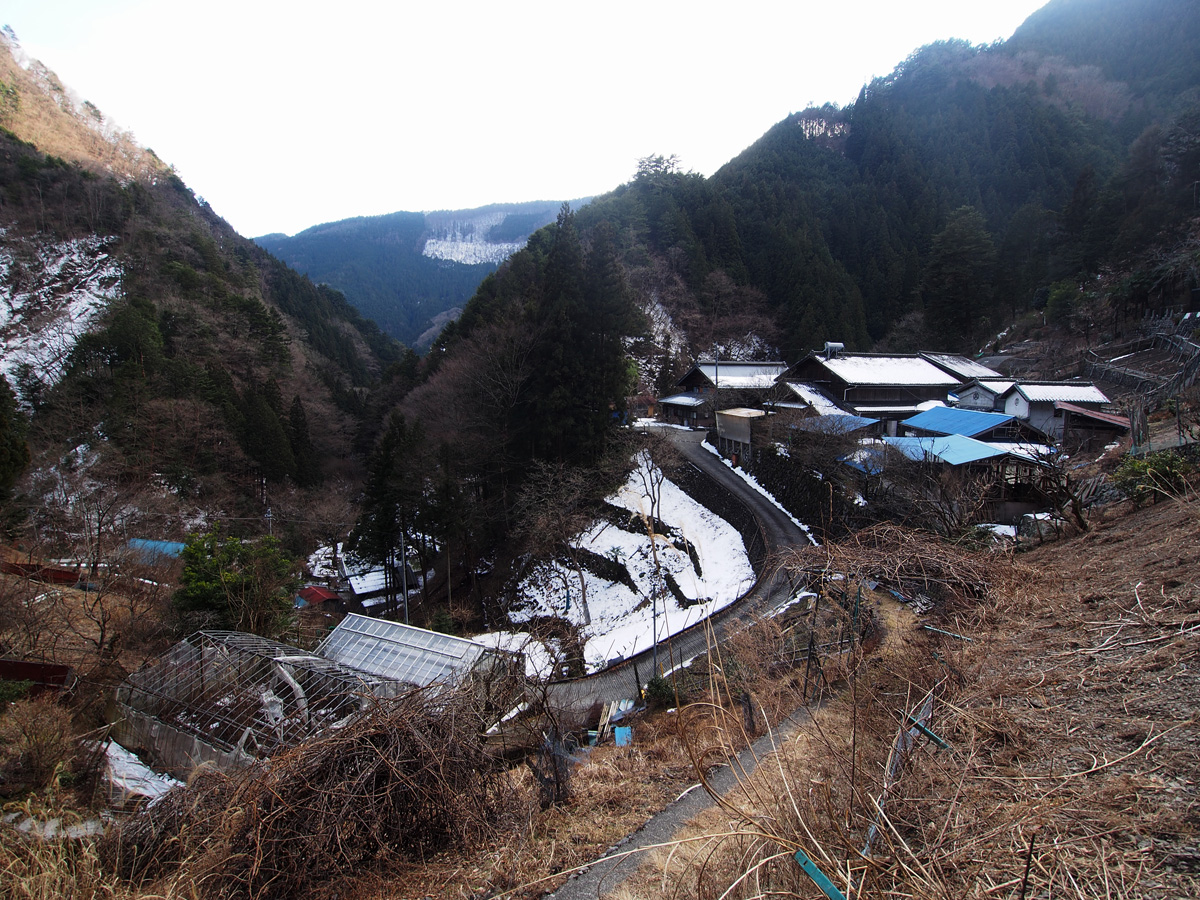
1035,402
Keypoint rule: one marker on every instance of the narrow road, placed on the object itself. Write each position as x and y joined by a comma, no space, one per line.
773,588
779,533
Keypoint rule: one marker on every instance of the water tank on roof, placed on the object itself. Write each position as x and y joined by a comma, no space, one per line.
833,349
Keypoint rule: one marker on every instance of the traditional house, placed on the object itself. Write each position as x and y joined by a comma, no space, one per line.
713,384
984,393
1036,402
888,387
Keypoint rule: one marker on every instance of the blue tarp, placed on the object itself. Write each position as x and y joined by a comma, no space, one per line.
155,553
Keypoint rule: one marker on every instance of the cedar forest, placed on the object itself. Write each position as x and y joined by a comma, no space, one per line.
1051,173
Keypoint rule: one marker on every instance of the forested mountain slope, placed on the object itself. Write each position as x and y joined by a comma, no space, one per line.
169,367
946,201
411,272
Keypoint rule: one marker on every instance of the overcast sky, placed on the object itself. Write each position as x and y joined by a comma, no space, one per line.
285,115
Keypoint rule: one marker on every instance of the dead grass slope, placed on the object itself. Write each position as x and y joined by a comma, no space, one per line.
1074,747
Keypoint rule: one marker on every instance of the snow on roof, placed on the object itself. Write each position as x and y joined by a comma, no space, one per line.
953,449
368,582
821,404
742,375
960,366
1040,452
907,370
995,385
742,412
684,400
953,420
868,410
400,652
1070,391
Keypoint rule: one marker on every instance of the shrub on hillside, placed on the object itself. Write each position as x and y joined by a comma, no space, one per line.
35,739
1153,476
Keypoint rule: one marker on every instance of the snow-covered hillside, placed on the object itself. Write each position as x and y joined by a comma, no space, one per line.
490,234
622,620
466,248
463,239
51,293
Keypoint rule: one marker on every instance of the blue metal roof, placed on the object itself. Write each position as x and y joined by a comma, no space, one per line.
953,420
835,424
953,449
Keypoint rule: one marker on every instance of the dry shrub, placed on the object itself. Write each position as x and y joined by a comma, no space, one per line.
816,792
1070,719
34,869
35,739
410,778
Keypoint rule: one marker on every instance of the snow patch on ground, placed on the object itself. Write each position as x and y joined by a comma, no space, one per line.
623,621
51,294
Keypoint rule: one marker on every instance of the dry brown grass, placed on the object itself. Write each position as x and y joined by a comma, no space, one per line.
1070,721
1074,743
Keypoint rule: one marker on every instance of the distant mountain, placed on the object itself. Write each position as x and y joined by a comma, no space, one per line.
944,203
407,271
165,363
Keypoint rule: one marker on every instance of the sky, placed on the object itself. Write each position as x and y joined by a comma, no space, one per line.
287,115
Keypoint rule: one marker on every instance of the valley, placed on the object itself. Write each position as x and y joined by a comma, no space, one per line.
822,527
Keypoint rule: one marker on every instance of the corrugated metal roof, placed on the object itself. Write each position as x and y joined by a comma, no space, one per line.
741,375
155,552
1070,391
954,420
961,366
1108,418
684,400
952,449
400,652
883,370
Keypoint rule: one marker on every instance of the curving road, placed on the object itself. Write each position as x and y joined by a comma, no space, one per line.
773,588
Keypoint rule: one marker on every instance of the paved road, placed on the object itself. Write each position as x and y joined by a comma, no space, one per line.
774,587
602,877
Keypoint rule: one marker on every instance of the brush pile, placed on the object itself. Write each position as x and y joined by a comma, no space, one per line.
913,561
406,780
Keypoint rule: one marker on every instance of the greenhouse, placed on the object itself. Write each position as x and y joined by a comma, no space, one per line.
229,698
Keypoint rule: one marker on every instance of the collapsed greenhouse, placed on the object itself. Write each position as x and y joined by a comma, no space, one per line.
229,698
